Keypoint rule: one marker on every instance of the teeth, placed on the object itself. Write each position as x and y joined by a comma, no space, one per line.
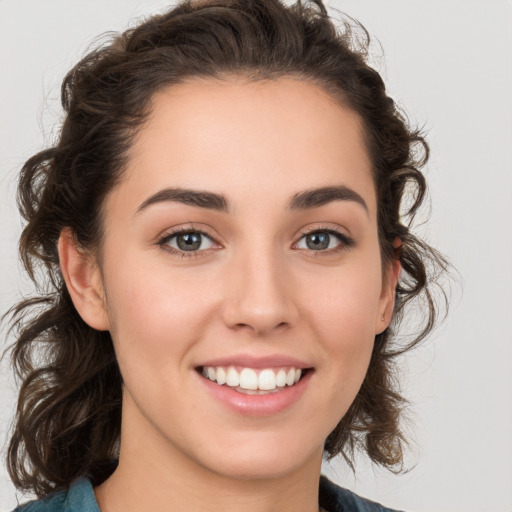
221,376
290,377
281,379
267,380
232,378
250,380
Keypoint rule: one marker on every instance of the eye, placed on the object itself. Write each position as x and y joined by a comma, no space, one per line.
324,240
187,241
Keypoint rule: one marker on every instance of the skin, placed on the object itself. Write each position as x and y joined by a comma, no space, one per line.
255,289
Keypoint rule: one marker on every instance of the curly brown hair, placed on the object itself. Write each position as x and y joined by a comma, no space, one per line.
69,409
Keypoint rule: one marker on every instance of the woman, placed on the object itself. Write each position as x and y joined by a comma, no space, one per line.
221,228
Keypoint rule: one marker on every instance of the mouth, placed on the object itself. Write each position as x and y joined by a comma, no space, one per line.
254,381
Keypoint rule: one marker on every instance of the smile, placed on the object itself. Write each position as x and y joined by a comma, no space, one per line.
251,380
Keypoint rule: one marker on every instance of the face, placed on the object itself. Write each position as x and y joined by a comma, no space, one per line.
241,246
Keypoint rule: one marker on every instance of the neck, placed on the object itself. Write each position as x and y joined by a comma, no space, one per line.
156,476
149,486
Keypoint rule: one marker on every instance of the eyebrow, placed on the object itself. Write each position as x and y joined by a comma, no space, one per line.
190,197
311,198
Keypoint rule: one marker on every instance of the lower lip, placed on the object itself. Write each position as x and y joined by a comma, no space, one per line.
257,405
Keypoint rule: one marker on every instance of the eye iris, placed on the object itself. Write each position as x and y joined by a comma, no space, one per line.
318,241
189,241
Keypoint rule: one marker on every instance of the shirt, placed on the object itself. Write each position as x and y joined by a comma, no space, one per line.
79,497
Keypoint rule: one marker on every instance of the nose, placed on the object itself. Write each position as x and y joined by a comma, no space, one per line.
259,295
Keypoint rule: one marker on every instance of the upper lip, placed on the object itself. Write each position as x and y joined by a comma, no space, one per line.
249,361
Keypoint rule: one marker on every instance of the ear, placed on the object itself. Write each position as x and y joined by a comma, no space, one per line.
387,298
83,280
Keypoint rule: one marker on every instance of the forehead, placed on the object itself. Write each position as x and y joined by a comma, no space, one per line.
238,136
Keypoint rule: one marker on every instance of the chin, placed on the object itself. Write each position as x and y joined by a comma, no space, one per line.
263,461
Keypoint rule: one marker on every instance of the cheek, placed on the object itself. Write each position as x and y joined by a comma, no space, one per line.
347,301
342,311
154,315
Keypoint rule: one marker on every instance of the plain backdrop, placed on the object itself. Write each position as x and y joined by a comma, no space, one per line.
448,63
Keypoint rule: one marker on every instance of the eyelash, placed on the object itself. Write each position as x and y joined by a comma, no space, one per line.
163,242
346,242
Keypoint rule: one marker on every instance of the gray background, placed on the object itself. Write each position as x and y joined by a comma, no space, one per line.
448,62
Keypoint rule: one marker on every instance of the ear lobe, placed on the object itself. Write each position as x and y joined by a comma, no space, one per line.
83,281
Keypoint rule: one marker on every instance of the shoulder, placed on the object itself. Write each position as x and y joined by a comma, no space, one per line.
333,498
79,497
